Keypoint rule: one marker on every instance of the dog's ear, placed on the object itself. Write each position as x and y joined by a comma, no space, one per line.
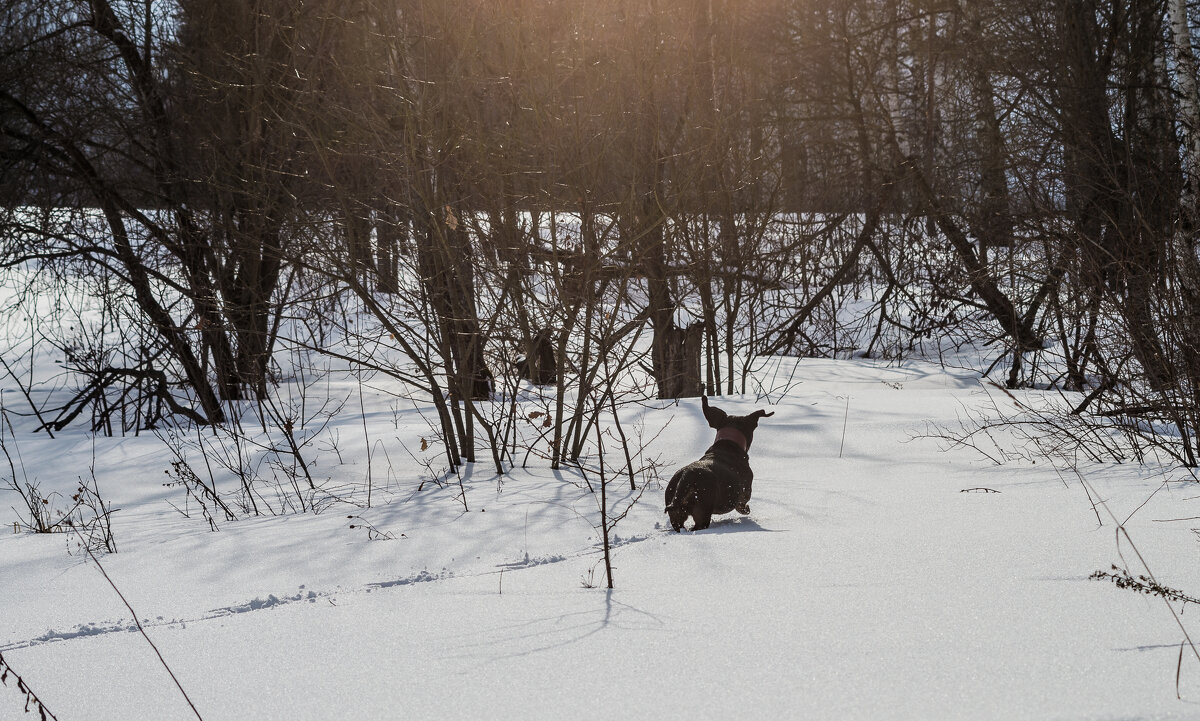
753,417
716,417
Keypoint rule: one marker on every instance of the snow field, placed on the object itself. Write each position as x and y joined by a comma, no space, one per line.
865,586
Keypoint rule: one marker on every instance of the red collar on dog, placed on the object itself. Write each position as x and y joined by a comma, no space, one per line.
729,433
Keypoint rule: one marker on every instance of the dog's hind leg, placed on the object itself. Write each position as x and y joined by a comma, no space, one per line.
702,517
742,504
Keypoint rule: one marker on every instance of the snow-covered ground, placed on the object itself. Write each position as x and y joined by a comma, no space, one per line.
865,583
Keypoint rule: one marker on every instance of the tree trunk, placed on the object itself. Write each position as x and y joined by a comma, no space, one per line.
992,222
391,233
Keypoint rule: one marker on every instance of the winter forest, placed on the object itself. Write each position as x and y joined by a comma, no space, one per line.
350,351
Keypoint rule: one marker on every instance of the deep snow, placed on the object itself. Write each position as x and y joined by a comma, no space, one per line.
864,584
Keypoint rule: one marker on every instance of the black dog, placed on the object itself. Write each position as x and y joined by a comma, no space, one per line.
720,481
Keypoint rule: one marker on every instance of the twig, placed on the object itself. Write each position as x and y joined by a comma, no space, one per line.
1143,503
367,436
1120,530
845,421
138,624
1178,671
30,696
25,392
1142,584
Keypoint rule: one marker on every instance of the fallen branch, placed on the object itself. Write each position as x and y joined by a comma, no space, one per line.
1142,584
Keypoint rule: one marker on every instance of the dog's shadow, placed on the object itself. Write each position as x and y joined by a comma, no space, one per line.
736,525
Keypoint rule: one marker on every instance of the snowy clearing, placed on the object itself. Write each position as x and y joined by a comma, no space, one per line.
868,585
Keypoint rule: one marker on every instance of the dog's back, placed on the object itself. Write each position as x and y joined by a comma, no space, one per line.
712,485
